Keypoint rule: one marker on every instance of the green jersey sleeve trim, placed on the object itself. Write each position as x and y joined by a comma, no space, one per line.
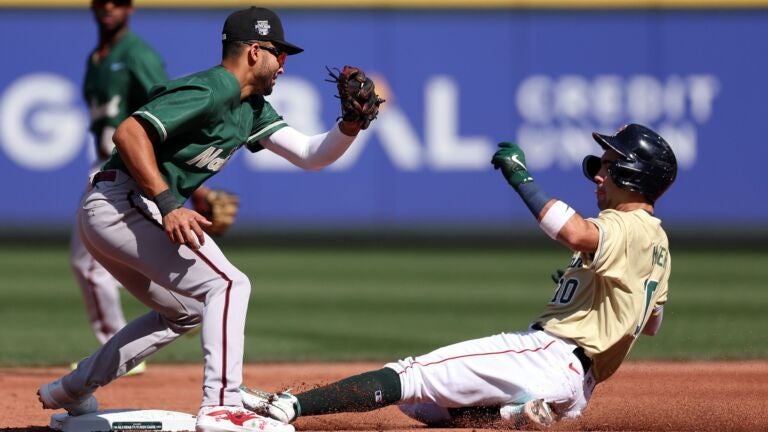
268,130
155,122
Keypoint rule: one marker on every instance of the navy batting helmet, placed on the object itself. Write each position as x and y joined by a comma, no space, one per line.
646,164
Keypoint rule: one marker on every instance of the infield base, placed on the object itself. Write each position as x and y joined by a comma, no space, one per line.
123,420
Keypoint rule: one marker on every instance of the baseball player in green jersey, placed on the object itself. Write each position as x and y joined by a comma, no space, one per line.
133,221
119,74
612,291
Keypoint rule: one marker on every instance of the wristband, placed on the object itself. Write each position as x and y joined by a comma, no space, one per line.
555,218
166,202
533,196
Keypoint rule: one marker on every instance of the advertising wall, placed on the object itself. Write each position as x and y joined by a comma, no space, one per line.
457,82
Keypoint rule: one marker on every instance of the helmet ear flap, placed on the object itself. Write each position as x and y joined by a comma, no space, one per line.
590,166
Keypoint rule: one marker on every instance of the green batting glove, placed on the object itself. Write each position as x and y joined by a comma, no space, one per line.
511,160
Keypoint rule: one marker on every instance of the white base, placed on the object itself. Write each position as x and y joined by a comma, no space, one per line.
124,420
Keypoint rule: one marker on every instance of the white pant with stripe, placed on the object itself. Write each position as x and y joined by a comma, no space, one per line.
509,368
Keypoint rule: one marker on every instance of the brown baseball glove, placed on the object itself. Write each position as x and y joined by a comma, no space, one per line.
220,208
357,93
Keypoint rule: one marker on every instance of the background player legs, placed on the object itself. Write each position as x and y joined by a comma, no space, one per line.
136,341
100,290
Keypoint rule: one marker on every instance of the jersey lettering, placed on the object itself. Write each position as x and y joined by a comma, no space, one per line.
217,164
660,256
108,109
565,291
576,261
209,159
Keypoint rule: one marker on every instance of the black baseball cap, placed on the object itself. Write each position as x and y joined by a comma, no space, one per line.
259,24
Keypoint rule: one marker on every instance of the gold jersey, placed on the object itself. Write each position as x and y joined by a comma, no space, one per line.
603,300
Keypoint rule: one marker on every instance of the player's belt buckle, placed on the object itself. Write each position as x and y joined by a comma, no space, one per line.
584,359
109,175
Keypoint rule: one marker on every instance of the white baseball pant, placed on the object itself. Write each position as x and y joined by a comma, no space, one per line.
508,368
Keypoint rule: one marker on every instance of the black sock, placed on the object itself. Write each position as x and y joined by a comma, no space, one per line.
365,392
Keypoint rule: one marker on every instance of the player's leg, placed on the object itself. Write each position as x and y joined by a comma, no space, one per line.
510,369
172,315
203,274
363,392
127,348
359,393
99,289
477,372
481,372
502,370
224,292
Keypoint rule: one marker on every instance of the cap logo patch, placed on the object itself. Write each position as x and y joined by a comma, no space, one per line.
262,27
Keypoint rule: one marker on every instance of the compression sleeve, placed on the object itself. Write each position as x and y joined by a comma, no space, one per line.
308,152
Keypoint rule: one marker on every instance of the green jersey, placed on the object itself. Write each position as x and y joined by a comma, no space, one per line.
118,84
200,122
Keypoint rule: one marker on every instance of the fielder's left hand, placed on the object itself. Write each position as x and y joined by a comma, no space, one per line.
511,160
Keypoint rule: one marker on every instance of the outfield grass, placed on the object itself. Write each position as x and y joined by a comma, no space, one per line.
367,304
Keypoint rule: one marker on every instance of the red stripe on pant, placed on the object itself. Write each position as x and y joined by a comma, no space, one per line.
226,298
223,324
476,355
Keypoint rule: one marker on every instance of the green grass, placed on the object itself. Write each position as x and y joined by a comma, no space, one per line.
366,304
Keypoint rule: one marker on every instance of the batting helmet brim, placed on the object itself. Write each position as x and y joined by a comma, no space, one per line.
590,166
610,142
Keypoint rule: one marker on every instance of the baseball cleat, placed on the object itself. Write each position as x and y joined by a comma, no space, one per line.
53,396
281,406
534,414
538,413
236,419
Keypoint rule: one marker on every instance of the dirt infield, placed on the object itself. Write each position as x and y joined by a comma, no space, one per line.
642,396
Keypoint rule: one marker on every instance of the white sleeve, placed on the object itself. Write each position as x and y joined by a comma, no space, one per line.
308,152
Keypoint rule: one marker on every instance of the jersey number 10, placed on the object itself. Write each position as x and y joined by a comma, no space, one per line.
565,291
